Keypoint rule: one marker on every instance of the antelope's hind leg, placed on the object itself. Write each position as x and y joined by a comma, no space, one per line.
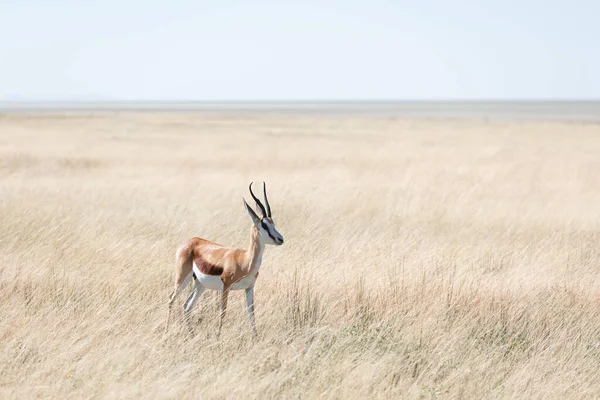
193,297
174,294
183,276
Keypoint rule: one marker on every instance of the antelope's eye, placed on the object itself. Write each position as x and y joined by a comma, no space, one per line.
264,226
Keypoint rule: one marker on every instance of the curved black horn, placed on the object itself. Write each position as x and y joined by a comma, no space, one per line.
258,203
266,200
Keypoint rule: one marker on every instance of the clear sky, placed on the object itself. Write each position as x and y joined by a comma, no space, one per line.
304,50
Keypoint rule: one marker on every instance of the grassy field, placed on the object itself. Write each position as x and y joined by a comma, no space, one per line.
423,258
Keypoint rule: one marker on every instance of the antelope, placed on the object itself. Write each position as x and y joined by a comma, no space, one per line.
215,267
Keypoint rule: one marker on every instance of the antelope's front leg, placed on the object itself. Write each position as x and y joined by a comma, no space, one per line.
224,295
250,306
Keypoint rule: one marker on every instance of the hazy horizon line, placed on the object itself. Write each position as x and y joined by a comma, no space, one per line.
300,101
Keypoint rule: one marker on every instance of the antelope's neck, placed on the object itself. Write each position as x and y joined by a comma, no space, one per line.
255,251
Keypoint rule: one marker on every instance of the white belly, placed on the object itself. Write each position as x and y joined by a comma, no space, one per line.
215,283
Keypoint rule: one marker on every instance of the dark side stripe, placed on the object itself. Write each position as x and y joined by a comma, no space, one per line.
208,268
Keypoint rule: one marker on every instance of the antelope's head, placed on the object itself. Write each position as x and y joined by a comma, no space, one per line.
264,224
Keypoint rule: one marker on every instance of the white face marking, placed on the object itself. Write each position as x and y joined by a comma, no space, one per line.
269,234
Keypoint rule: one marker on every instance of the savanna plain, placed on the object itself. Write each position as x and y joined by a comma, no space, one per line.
424,258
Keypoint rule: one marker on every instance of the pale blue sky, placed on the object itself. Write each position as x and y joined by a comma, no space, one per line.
308,50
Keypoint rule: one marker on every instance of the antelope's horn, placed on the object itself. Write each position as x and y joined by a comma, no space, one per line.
266,200
258,203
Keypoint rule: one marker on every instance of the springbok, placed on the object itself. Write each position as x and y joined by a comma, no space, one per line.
216,267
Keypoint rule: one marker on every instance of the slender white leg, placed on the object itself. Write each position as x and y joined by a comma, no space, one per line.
250,305
179,288
174,294
193,297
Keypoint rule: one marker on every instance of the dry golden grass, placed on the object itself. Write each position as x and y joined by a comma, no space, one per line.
423,259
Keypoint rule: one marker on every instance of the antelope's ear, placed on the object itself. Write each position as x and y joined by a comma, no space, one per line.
251,212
